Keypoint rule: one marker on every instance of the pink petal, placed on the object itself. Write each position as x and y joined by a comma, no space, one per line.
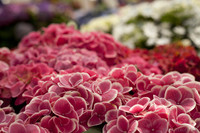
64,80
17,128
114,129
144,126
30,128
182,129
111,115
144,101
2,116
62,107
136,108
104,86
45,105
131,68
173,94
122,123
186,92
188,104
140,85
151,116
94,121
117,86
132,102
160,125
109,95
99,109
116,72
184,118
65,125
75,79
131,76
133,127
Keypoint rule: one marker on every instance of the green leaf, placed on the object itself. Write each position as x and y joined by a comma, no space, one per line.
94,130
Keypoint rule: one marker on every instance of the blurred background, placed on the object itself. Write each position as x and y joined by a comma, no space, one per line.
19,17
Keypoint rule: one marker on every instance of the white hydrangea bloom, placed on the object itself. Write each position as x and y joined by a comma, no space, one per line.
150,30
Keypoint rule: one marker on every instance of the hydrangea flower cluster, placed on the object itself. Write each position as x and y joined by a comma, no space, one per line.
66,81
175,57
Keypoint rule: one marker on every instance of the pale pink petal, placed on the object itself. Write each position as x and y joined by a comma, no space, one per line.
136,109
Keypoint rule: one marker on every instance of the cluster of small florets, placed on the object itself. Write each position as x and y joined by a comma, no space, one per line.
68,82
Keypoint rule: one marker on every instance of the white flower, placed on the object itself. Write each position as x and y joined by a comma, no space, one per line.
104,23
179,30
195,36
150,30
162,41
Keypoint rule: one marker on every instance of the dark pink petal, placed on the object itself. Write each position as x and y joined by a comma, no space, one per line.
131,76
132,102
17,128
185,118
144,101
160,126
114,129
182,129
186,92
104,86
122,123
76,79
45,105
17,89
83,119
152,117
141,85
188,104
109,95
116,73
2,115
173,94
111,115
94,120
99,109
65,125
144,126
196,95
62,107
193,84
30,128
